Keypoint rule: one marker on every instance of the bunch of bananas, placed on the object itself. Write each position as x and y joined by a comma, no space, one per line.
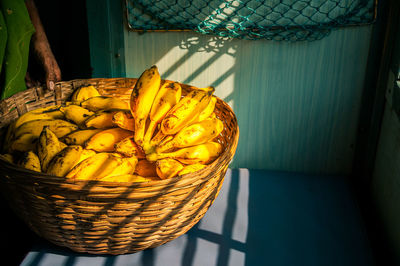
158,134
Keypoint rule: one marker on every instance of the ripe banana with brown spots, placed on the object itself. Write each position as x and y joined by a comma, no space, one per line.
167,97
185,111
79,137
208,111
63,161
30,160
59,127
104,103
168,168
124,120
48,146
76,114
91,168
105,140
25,142
126,166
128,147
203,154
142,98
84,155
83,93
50,112
101,165
195,134
101,119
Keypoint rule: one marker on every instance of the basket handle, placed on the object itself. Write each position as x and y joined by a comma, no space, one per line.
58,93
3,107
40,92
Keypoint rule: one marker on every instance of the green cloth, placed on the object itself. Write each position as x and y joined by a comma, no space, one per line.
3,38
15,35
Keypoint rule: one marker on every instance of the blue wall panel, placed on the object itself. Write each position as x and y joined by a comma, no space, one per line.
297,103
106,38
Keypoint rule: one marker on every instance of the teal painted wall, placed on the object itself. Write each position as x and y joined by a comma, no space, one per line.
106,38
297,103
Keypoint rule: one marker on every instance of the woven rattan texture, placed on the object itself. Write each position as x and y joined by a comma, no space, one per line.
289,20
107,217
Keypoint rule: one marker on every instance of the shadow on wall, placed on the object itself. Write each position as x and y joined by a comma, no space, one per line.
297,103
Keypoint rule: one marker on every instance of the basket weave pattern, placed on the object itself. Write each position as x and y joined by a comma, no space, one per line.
107,217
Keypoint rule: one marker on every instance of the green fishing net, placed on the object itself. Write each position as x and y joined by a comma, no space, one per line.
289,20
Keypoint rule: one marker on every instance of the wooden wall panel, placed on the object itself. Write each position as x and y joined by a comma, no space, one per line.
297,103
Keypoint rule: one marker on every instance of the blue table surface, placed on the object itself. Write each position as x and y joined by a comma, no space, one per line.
259,218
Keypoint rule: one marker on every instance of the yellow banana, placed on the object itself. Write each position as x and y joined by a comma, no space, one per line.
48,146
59,127
197,133
84,155
127,166
142,98
133,160
98,166
51,112
128,178
103,103
145,168
128,147
208,111
168,96
83,93
62,145
76,114
124,120
30,160
101,119
79,137
185,111
46,109
191,168
203,153
105,140
168,168
63,161
90,168
25,142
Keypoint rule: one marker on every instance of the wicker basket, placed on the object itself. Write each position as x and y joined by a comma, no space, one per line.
107,217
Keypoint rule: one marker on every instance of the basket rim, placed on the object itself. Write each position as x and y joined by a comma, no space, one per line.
217,165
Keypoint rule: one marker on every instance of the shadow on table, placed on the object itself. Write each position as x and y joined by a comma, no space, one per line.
259,218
